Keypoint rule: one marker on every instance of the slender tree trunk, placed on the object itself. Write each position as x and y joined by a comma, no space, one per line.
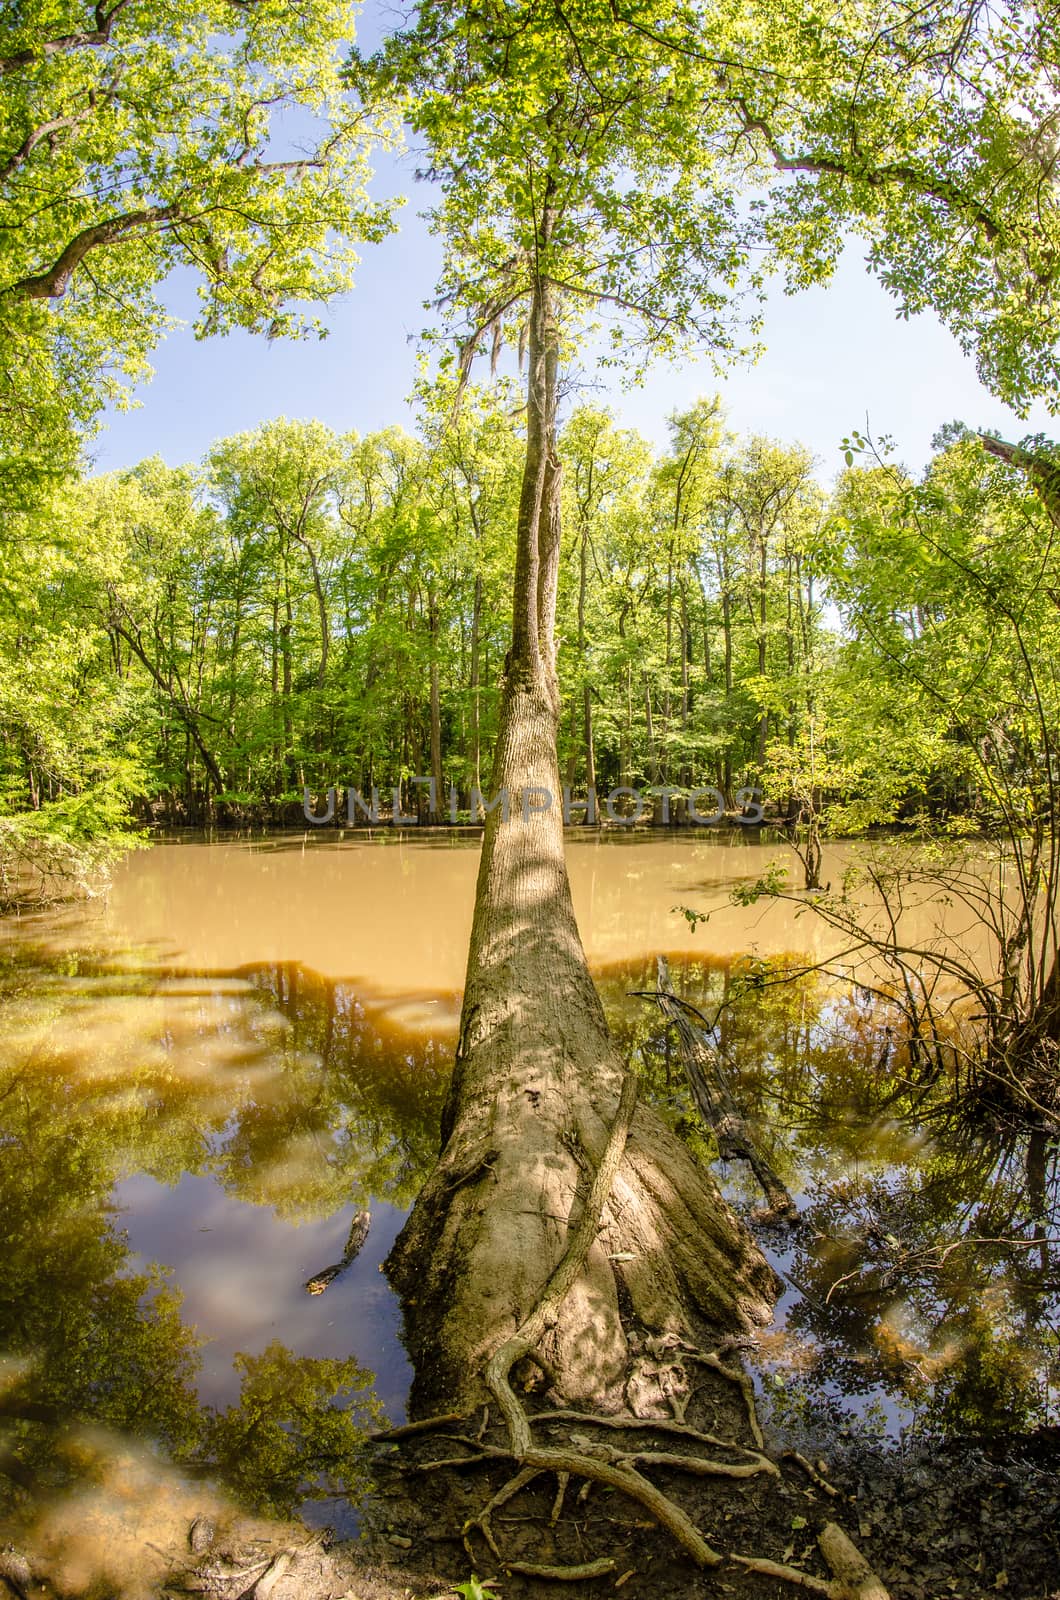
274,692
537,1076
435,813
476,692
763,721
626,762
667,708
322,609
286,630
686,698
179,702
587,694
649,734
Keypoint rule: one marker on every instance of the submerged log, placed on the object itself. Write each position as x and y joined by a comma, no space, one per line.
715,1100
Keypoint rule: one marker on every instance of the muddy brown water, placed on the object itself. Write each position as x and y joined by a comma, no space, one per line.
206,1072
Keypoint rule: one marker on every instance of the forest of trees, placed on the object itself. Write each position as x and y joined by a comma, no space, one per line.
304,609
522,593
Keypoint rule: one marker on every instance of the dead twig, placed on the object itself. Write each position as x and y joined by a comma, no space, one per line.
504,1494
811,1471
562,1480
572,1574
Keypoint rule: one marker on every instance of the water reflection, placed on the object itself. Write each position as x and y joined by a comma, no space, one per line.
923,1274
179,1154
183,1143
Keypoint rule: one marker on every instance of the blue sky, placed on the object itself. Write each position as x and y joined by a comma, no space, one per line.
835,356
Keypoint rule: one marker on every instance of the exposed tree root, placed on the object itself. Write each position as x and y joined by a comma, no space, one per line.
616,1475
623,1420
481,1454
813,1473
853,1578
407,1430
777,1569
482,1522
742,1382
631,1483
700,1466
546,1312
852,1571
613,1467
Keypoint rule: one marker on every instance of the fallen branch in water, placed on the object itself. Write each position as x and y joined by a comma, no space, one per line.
715,1100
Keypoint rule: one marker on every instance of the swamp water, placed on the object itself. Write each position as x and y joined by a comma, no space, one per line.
204,1076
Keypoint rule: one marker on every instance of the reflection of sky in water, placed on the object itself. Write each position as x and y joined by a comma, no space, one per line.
307,1094
241,1270
878,1404
887,1322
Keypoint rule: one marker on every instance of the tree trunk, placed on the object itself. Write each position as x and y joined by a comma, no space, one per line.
435,812
476,710
654,769
763,721
587,694
179,701
537,1077
322,609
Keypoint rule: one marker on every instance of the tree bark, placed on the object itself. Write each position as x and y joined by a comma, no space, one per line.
435,812
537,1077
476,707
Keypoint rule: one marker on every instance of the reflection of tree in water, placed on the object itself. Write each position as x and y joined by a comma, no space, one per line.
899,1294
355,1112
101,1076
292,1092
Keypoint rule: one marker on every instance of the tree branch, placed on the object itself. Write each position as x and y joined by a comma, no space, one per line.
932,186
53,282
92,37
46,130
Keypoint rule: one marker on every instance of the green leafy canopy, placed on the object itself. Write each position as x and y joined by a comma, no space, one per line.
137,136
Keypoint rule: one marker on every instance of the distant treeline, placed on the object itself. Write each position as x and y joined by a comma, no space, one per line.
306,609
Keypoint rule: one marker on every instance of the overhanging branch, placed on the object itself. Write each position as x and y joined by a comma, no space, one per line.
931,185
85,39
53,282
